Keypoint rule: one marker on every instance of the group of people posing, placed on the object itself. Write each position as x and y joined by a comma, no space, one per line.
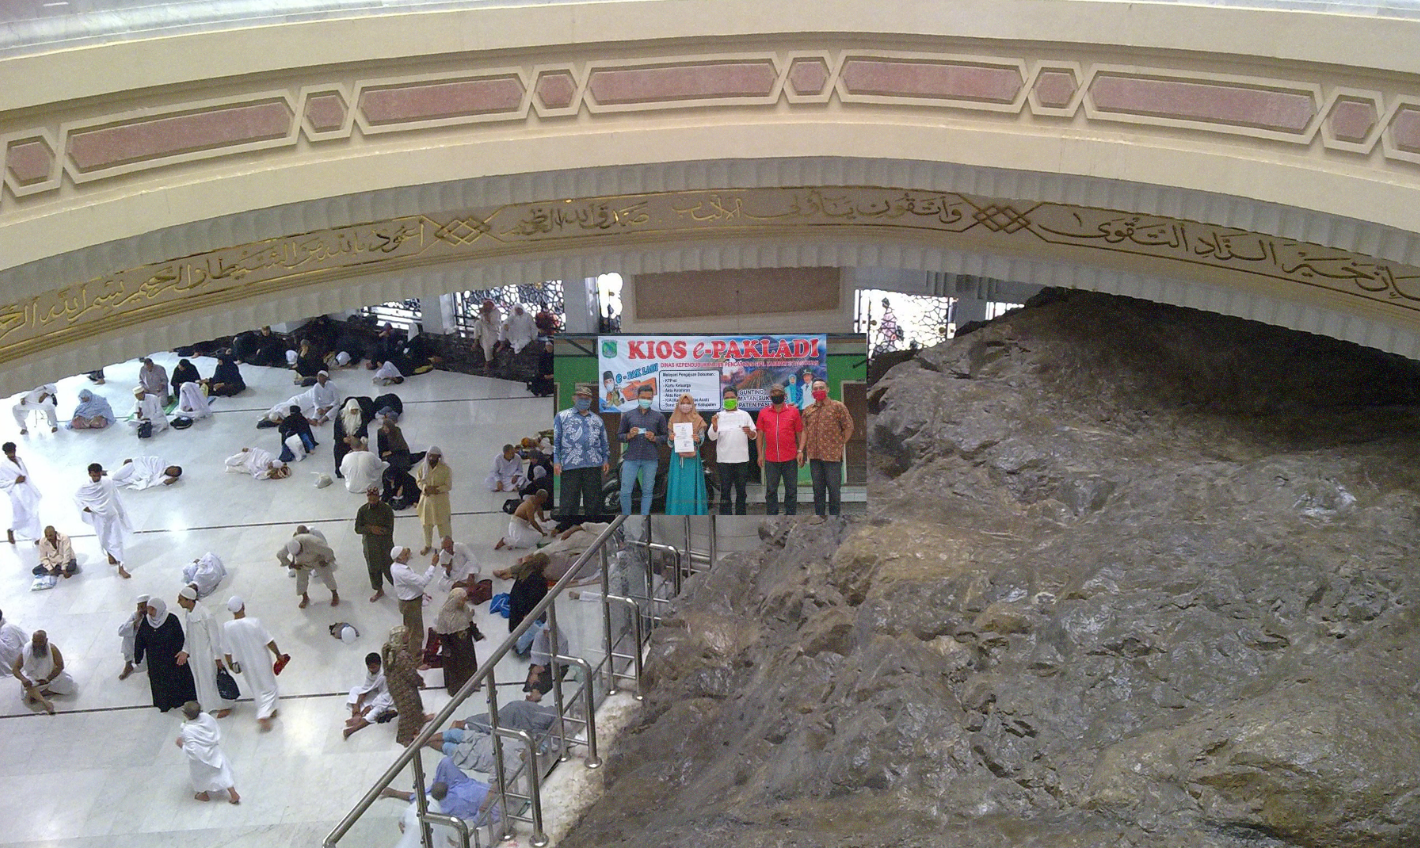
787,437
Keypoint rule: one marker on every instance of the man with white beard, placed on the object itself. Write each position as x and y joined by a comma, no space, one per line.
40,670
24,497
246,639
101,509
202,645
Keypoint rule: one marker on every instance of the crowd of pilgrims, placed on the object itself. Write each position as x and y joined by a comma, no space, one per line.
193,664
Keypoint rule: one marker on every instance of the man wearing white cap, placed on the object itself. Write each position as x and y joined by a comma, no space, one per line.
435,480
202,651
127,632
101,509
323,398
409,588
247,641
307,552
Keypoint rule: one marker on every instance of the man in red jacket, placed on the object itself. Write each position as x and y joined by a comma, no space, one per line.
781,436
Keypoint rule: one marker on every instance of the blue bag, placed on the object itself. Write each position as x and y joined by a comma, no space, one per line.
501,605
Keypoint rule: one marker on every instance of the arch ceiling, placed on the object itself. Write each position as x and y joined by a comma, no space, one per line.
159,190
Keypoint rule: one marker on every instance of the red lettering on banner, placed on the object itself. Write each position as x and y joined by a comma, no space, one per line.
813,348
680,350
717,350
633,351
663,350
699,351
733,350
784,349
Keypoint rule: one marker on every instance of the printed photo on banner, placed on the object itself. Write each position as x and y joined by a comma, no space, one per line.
705,366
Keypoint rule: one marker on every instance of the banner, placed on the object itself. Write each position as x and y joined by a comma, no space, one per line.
704,366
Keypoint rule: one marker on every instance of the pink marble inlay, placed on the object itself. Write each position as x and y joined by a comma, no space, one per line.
555,90
158,137
325,112
931,79
29,161
808,76
1405,130
431,101
1055,88
1219,103
683,82
1351,120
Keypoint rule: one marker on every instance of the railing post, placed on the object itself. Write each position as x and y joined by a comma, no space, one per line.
499,767
606,627
593,761
553,653
421,802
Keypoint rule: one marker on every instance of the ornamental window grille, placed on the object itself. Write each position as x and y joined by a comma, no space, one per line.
897,321
467,303
402,314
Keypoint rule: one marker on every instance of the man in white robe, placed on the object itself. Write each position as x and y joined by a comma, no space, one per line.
145,472
24,497
100,508
387,374
245,639
323,398
202,651
12,643
361,469
42,400
128,632
459,564
205,572
486,331
207,766
259,463
148,408
519,330
278,413
192,403
40,670
507,474
523,529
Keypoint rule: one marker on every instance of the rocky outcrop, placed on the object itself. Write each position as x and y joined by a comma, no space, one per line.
1133,575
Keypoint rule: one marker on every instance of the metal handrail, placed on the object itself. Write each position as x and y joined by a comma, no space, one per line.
411,752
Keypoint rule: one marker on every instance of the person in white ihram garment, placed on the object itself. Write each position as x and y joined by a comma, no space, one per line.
192,402
323,398
12,642
360,467
145,472
205,573
128,633
42,400
207,766
202,651
24,497
40,670
101,509
519,330
247,641
259,463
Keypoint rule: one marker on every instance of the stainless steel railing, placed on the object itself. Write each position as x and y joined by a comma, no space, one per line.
410,756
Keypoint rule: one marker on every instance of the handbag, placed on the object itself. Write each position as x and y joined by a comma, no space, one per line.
482,591
145,430
227,685
501,604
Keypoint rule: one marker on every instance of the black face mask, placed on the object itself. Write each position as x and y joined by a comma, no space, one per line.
777,399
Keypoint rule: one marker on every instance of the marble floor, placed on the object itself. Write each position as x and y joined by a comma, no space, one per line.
105,771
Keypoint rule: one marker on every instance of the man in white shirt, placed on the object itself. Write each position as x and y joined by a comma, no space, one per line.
409,590
323,398
486,332
145,472
202,651
42,400
148,409
507,473
458,562
56,553
732,429
24,497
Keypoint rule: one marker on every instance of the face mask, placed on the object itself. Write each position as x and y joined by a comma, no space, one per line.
583,404
644,403
687,407
820,394
776,399
731,403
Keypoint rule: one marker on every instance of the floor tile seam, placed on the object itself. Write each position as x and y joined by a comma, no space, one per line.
128,707
406,403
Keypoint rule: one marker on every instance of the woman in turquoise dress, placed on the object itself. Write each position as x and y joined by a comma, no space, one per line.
685,487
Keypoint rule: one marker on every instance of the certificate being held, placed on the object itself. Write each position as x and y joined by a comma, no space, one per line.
684,437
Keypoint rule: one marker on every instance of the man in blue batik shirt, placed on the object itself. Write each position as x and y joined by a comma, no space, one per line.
580,454
643,430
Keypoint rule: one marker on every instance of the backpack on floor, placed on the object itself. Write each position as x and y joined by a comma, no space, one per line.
145,430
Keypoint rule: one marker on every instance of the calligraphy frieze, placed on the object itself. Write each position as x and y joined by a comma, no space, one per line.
276,266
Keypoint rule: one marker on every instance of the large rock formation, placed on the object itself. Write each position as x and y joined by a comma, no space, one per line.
1133,576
